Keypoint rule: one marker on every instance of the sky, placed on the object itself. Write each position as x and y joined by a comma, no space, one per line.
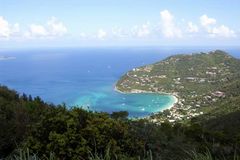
60,23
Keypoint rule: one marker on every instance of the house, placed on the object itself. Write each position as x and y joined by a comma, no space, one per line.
218,94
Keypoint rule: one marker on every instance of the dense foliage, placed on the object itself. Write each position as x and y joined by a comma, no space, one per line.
46,129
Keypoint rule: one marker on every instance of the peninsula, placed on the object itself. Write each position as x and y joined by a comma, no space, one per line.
198,80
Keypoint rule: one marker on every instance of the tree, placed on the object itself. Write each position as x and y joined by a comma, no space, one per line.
121,115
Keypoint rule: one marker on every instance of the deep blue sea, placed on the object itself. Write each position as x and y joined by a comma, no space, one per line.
86,76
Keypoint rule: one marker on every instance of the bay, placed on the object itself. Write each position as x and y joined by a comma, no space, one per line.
85,77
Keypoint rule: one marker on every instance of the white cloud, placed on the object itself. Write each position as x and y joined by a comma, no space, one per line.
206,21
83,35
210,25
192,28
53,28
119,32
38,30
169,28
141,31
222,31
101,34
6,29
16,28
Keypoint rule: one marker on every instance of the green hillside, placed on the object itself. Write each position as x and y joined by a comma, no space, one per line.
200,81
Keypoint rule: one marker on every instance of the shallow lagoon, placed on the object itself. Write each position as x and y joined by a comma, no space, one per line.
138,105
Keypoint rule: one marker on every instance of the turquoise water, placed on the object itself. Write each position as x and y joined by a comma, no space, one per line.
136,104
86,76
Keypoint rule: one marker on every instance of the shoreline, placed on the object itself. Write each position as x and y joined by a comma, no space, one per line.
176,100
174,95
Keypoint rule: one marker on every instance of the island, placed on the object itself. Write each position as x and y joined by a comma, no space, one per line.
199,81
3,58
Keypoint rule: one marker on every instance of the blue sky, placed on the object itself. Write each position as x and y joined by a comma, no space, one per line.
32,23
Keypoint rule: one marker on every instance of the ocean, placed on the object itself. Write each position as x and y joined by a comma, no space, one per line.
85,77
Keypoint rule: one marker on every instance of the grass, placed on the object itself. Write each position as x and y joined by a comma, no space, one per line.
21,154
192,155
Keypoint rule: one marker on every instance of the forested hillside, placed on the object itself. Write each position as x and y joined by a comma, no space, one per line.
31,124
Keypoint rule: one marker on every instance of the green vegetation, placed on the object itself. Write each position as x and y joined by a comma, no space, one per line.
205,83
46,131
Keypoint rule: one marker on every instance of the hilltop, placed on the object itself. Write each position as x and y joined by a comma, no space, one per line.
200,80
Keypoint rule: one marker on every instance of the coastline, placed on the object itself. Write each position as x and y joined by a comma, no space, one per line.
175,101
174,95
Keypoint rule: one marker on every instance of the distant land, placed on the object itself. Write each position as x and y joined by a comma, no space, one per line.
200,81
2,58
